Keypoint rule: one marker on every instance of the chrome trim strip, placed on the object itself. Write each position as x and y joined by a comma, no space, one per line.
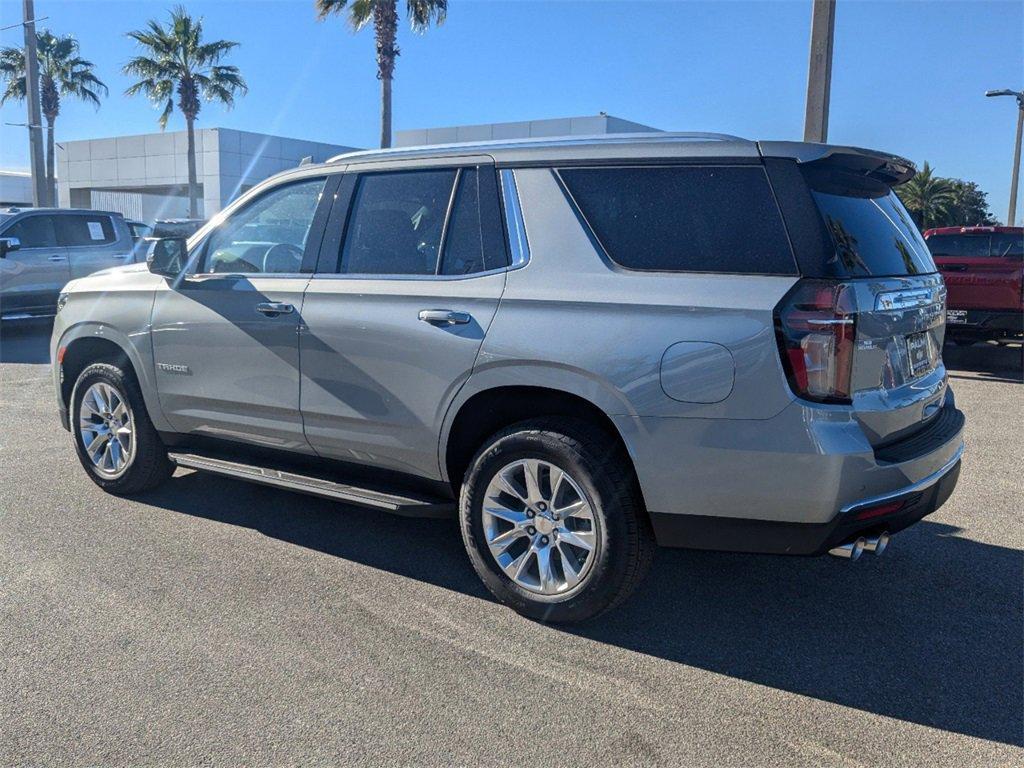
517,241
905,299
920,485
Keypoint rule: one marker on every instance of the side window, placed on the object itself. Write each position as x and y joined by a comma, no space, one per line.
34,232
684,219
268,235
463,242
396,223
74,230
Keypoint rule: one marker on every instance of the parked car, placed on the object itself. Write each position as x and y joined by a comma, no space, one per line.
41,249
582,347
142,233
984,272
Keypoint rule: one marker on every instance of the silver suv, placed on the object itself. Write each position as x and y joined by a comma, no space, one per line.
41,249
581,347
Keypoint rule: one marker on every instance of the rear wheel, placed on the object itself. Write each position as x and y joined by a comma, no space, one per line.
552,520
114,438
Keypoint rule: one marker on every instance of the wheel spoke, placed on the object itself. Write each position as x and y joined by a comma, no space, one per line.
502,541
581,539
531,468
121,412
555,475
506,485
569,566
96,444
114,448
504,513
576,508
548,580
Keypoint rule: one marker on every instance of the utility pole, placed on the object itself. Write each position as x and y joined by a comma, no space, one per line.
819,70
1015,176
40,195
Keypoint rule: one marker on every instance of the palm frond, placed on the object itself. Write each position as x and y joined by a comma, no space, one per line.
325,8
423,13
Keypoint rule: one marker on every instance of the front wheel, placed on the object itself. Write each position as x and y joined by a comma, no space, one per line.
552,520
115,441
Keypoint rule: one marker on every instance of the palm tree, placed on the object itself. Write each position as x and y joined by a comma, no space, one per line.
177,61
62,72
384,14
926,196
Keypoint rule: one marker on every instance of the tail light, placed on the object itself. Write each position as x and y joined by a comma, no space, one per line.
815,325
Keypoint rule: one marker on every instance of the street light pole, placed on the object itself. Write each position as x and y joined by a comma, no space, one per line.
1015,177
819,70
40,196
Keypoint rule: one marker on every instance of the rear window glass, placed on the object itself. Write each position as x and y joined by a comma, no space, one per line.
959,246
684,219
1008,244
873,236
75,230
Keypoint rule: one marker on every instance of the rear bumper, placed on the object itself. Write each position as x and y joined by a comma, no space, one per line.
793,484
909,504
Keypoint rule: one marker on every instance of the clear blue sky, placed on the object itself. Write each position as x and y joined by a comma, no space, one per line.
908,77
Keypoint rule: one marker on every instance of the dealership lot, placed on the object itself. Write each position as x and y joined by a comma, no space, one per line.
218,622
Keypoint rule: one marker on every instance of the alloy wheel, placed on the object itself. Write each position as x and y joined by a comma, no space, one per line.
106,429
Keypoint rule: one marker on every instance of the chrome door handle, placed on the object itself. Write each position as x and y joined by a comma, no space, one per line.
58,257
444,317
273,309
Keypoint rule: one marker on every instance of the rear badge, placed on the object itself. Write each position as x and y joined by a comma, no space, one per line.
181,370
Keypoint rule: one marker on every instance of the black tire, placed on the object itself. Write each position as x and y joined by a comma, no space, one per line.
148,466
602,470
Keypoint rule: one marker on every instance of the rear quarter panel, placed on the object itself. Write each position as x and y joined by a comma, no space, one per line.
570,320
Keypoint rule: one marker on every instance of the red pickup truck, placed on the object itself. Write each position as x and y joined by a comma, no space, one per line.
984,272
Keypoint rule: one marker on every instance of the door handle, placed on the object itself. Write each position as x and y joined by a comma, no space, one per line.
444,317
273,309
57,257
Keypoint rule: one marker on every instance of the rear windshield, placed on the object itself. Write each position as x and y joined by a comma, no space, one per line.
873,235
684,218
959,246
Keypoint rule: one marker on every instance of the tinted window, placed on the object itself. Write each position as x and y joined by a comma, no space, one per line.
873,235
75,230
463,245
140,230
712,219
1008,244
268,235
34,232
396,223
959,246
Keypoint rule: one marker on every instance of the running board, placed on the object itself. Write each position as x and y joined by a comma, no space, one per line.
407,506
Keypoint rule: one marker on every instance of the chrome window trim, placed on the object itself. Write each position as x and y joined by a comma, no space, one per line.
435,278
515,225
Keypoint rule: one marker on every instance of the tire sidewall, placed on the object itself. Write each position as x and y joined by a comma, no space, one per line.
607,500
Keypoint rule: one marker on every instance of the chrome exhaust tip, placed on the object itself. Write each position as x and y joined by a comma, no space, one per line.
877,544
851,551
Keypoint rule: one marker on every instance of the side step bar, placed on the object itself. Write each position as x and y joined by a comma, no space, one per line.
408,506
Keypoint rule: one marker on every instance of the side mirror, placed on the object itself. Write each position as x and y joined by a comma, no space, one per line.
8,244
167,256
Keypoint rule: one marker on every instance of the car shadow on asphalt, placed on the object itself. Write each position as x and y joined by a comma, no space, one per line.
930,633
987,362
26,341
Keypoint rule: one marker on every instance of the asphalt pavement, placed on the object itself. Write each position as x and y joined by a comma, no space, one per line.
213,622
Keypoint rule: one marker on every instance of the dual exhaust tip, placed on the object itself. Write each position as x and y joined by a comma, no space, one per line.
852,550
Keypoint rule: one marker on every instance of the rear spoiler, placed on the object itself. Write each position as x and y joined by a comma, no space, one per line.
866,163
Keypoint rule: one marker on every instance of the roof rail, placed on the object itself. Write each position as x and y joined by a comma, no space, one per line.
551,141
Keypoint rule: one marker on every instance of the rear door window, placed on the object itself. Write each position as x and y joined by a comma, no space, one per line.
34,232
77,230
684,219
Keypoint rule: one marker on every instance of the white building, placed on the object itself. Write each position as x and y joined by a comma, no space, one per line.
15,189
145,177
559,126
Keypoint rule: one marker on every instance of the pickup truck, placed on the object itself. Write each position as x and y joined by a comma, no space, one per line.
984,272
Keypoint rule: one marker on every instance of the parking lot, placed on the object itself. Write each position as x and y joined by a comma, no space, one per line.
215,622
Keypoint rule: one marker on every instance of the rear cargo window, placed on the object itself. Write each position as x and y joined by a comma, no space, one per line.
873,235
684,219
1008,244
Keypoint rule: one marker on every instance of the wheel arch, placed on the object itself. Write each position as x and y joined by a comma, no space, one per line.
488,410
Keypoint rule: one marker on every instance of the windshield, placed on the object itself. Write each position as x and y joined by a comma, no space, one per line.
874,236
